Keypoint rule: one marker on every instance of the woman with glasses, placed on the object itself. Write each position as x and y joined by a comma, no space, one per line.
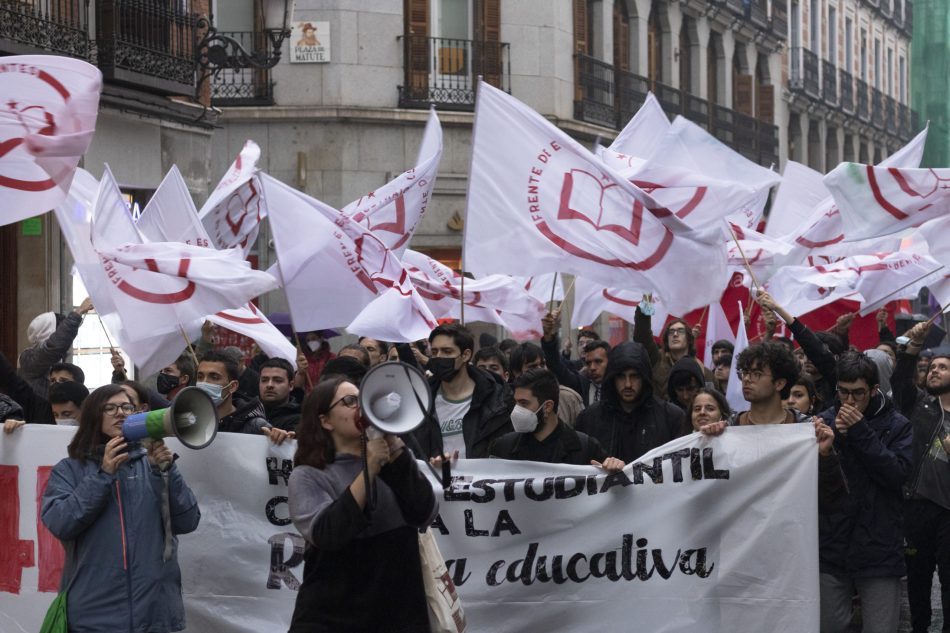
362,568
104,503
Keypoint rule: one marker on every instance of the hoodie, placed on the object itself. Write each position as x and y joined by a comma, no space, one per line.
651,423
687,365
248,417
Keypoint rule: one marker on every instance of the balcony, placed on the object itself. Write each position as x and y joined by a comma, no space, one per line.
245,87
744,135
723,122
44,26
147,44
444,71
736,6
594,98
697,110
877,109
669,97
890,115
863,109
759,14
829,82
908,17
780,19
846,87
767,139
632,93
804,72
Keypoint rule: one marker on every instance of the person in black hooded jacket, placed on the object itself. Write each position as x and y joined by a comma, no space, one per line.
686,378
630,420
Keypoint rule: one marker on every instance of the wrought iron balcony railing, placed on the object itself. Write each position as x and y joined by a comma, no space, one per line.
631,94
863,100
697,110
723,122
803,75
147,43
444,71
595,99
744,135
759,14
669,97
767,143
846,87
877,109
890,115
41,26
245,87
829,82
779,19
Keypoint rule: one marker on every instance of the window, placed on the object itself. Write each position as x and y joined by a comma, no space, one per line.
901,80
833,35
890,72
864,55
848,45
796,23
877,64
814,30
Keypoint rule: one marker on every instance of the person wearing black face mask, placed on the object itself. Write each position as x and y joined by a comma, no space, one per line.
471,405
176,376
539,436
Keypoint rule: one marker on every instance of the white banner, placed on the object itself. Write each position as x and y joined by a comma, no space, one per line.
702,534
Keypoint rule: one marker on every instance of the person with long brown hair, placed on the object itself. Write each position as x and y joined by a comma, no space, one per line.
362,568
104,503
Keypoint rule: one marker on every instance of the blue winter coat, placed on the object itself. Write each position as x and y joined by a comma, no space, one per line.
865,540
111,528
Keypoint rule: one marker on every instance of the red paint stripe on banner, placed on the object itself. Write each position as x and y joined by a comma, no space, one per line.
51,554
15,554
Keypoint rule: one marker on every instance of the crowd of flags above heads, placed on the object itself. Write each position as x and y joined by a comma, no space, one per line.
666,209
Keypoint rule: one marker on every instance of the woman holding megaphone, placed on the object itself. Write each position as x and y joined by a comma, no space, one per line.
362,567
104,502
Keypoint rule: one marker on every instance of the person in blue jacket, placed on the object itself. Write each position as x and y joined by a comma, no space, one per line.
104,502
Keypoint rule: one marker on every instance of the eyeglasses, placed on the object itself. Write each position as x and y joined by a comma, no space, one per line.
350,402
857,394
752,374
677,330
111,409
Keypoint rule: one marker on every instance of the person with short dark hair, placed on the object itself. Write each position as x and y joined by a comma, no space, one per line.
927,509
104,503
346,366
65,401
862,545
378,350
281,401
686,378
64,372
507,344
722,348
217,376
803,397
358,352
539,436
589,383
362,568
767,372
248,379
630,421
137,393
524,357
176,376
494,360
471,405
721,372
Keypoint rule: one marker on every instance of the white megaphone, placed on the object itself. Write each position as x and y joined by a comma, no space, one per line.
192,418
394,397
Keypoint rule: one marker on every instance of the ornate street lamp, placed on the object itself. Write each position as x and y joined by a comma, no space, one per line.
216,52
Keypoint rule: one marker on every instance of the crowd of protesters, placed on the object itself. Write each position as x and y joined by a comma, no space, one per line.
880,419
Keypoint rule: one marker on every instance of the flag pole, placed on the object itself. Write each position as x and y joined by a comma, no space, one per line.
191,349
468,198
877,305
290,313
553,289
106,332
570,287
745,260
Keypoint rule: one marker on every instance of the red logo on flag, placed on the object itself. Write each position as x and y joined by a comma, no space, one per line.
149,296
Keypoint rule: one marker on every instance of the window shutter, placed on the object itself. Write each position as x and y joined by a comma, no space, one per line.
743,95
621,40
417,48
488,41
766,103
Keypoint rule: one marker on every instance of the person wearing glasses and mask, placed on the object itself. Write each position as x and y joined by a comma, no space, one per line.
104,503
861,546
362,570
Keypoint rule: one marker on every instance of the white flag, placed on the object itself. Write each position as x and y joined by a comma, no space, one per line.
638,139
158,287
591,299
497,299
233,212
337,273
734,386
540,286
717,329
540,202
170,216
47,120
869,279
877,201
393,211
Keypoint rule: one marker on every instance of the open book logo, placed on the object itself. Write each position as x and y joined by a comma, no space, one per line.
396,223
914,191
604,223
244,202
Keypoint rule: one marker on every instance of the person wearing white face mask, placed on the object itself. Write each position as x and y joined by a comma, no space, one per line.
539,436
217,377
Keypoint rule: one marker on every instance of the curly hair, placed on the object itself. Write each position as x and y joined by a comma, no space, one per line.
776,358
